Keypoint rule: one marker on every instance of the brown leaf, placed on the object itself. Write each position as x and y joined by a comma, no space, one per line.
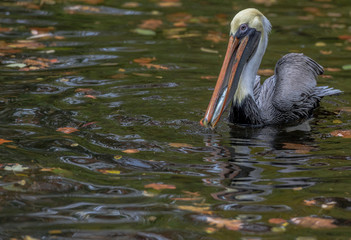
299,148
130,4
131,151
152,24
277,221
314,222
341,133
83,90
202,210
265,72
309,202
90,96
344,37
67,130
170,3
186,199
209,77
230,224
144,60
4,141
179,145
326,52
332,69
216,37
159,186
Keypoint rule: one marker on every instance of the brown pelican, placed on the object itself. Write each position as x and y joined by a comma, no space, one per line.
289,95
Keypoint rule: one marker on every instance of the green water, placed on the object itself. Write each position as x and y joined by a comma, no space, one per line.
87,76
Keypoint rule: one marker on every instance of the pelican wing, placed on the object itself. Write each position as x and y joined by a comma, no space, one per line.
295,83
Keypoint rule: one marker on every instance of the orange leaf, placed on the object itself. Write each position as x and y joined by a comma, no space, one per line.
299,148
202,210
90,96
179,145
159,186
230,224
186,199
345,37
144,60
67,130
208,77
277,221
332,69
309,202
4,141
265,72
341,133
314,222
152,24
131,151
84,90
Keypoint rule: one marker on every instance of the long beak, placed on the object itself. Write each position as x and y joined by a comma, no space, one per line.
238,53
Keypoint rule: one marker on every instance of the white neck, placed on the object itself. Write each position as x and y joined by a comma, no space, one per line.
248,75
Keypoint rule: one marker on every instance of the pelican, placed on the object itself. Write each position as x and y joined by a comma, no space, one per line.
289,95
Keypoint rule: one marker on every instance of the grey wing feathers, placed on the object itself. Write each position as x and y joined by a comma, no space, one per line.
295,81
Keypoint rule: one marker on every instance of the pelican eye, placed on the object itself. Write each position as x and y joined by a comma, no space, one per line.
243,28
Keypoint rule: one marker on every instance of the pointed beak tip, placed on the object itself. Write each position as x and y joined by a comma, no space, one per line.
205,123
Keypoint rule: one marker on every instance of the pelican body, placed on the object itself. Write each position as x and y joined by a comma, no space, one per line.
289,95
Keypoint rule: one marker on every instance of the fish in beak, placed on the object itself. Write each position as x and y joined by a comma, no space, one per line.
240,49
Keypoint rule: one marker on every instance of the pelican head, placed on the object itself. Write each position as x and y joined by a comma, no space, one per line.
247,43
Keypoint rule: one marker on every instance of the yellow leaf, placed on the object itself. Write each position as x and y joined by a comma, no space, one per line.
320,44
117,157
109,171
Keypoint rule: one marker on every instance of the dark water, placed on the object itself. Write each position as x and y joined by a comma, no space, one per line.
79,64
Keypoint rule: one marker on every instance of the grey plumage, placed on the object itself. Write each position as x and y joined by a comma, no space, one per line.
289,95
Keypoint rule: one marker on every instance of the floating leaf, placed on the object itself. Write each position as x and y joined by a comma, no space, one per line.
144,60
326,52
207,50
265,72
90,96
341,133
15,167
299,148
117,157
130,4
346,67
202,210
208,77
131,151
179,145
16,65
67,130
230,224
332,69
152,24
186,199
320,44
109,171
4,141
309,202
314,222
277,221
146,32
159,186
344,37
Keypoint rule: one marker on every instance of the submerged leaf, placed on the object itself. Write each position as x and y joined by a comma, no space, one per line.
159,186
146,32
314,222
230,224
67,130
4,141
341,133
179,145
131,151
